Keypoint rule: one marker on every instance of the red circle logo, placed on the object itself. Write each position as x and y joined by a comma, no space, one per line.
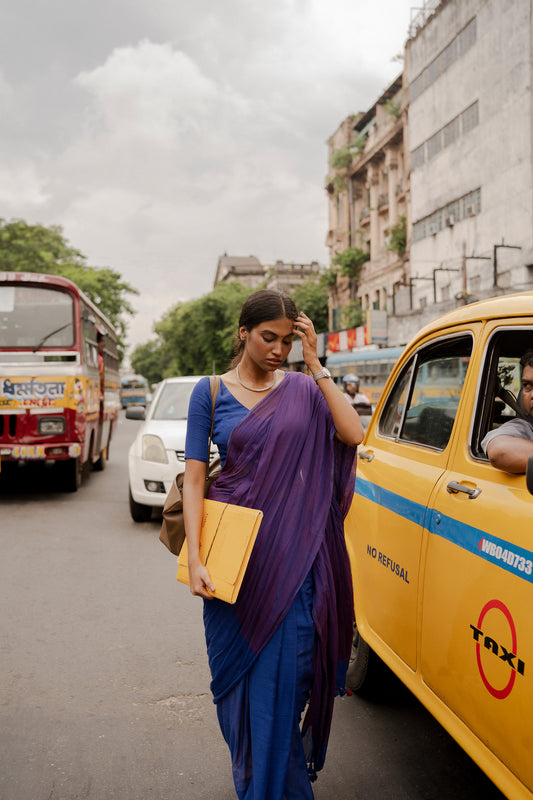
500,694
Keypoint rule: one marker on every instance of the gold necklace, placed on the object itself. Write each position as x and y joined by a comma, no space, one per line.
252,388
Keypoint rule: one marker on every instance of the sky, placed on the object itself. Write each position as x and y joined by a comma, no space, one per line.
161,134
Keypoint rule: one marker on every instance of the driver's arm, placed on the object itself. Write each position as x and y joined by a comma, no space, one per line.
509,453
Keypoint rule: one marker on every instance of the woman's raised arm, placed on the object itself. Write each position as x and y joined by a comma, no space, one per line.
347,421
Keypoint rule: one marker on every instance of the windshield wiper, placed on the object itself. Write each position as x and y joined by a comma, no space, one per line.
49,335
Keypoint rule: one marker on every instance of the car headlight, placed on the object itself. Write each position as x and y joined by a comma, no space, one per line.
153,449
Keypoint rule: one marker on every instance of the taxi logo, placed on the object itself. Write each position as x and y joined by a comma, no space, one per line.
496,649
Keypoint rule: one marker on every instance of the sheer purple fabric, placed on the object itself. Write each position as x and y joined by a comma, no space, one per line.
283,458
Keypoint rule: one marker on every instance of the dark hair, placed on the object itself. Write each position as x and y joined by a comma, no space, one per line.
261,306
527,359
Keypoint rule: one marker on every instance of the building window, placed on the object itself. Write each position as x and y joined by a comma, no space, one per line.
469,205
418,156
434,145
450,132
470,117
463,123
459,45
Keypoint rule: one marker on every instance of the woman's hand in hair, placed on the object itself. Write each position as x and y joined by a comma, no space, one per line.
305,329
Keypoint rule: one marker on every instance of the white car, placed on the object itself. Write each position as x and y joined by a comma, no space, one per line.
158,453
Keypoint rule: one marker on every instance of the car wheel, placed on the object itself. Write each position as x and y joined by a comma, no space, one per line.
99,464
71,474
359,666
139,512
368,675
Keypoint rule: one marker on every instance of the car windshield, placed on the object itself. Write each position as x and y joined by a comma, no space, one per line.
35,316
173,402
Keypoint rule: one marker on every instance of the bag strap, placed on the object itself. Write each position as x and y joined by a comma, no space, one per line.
214,386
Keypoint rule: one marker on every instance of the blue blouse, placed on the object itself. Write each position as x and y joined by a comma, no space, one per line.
228,412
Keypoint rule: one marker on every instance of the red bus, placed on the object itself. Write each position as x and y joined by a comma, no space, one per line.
59,379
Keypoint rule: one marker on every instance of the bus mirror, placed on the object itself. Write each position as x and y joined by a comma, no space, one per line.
135,412
529,474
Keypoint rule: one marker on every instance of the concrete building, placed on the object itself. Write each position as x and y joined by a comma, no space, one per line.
368,188
468,68
249,271
287,277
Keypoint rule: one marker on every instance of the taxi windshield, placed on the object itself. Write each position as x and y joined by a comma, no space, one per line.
35,316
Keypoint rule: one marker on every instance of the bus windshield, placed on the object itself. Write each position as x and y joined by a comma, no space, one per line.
35,316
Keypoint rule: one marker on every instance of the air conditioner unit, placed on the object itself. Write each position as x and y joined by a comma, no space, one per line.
470,210
433,228
450,220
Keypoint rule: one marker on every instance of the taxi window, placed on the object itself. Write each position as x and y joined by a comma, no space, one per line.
422,406
499,398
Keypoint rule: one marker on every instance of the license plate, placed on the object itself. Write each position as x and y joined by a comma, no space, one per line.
28,451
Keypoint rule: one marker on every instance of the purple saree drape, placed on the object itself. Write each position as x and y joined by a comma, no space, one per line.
283,458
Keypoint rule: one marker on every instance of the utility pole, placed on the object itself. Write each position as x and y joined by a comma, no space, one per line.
440,269
474,258
463,270
495,249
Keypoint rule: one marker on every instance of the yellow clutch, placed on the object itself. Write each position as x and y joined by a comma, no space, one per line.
227,537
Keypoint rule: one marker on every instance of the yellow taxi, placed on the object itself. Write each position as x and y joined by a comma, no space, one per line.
441,542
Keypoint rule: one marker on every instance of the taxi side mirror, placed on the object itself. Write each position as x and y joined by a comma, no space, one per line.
529,474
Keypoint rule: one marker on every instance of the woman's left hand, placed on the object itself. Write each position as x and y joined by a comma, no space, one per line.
306,331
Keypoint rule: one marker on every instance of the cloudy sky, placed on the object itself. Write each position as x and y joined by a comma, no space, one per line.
161,133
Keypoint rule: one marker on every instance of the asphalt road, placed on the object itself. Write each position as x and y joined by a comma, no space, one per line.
104,680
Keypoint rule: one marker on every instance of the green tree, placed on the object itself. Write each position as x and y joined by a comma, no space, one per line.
351,261
312,297
197,336
352,315
341,158
36,248
149,360
398,236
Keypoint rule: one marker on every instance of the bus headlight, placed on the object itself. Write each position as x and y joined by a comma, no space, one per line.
153,449
51,426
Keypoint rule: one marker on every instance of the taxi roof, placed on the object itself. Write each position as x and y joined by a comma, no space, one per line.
508,305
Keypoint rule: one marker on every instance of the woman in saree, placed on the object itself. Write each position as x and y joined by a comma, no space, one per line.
287,442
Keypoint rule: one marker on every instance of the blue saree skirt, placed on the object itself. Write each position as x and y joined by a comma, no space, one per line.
260,716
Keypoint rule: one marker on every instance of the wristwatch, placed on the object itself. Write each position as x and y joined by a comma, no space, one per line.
322,373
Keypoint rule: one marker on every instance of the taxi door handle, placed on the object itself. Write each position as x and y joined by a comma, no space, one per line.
368,455
454,486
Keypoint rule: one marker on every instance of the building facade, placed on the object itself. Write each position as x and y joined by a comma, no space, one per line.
368,188
469,74
281,275
248,270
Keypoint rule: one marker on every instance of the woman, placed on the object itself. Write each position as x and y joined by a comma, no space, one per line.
287,443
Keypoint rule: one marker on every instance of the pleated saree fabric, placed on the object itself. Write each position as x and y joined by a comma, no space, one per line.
286,641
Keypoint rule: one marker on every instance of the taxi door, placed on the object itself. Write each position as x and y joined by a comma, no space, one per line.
477,629
405,453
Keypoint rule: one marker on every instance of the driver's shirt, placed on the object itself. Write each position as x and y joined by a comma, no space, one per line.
521,428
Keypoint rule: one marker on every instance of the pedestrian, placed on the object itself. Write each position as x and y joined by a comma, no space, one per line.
355,397
288,446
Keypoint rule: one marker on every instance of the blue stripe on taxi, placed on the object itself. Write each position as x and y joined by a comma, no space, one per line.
497,551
